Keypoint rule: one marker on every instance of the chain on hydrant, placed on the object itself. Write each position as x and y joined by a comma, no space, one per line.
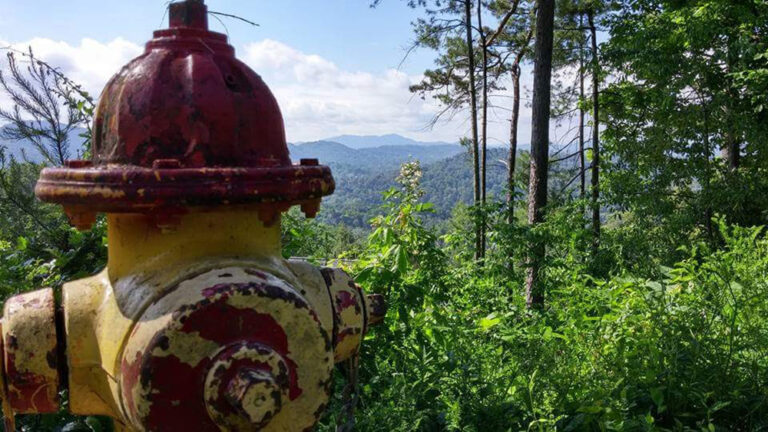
197,323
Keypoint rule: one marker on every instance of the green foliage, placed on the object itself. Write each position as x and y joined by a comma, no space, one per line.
358,197
63,422
683,90
302,237
38,248
646,347
685,350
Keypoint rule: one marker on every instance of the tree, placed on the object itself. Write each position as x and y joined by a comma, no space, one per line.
454,82
582,155
46,110
571,53
47,107
473,119
515,120
514,34
537,193
681,93
595,135
448,28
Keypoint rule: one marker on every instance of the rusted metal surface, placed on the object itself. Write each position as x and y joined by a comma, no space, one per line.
86,191
349,312
95,331
8,417
376,308
247,385
183,357
30,353
185,123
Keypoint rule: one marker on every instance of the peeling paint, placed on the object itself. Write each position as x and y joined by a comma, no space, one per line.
30,353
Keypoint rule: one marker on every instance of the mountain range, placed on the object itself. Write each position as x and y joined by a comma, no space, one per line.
364,167
446,183
23,150
365,160
367,141
366,152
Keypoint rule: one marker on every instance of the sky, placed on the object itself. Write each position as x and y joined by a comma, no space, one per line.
335,66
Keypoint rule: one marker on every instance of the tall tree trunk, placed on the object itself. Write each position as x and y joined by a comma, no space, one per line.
707,181
582,155
731,150
537,190
595,138
473,108
484,126
513,142
513,125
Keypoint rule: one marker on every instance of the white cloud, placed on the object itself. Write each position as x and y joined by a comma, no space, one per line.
317,97
90,64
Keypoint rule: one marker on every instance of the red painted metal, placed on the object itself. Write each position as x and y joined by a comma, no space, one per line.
186,123
162,383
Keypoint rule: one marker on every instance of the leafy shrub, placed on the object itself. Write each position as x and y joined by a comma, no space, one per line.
684,350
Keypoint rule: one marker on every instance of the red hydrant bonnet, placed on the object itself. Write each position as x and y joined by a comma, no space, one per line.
186,123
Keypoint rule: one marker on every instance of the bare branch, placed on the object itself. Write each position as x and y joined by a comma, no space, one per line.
503,23
226,15
47,106
563,158
578,174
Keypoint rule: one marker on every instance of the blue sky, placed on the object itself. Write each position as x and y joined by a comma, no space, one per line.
332,64
349,32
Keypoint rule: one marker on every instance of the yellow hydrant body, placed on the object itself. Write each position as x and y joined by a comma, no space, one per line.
198,322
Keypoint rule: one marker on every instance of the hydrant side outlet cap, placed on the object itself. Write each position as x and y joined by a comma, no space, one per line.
185,123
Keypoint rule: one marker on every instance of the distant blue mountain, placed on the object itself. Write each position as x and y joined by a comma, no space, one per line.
346,160
24,150
368,141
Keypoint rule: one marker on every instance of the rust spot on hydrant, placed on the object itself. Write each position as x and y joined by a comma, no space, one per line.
30,353
197,323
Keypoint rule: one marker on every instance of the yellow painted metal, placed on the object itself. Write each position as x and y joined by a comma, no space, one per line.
144,261
312,286
95,330
137,245
30,352
309,347
8,417
157,273
350,315
145,264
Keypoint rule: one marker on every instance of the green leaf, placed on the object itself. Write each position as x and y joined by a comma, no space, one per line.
489,322
364,275
657,395
402,260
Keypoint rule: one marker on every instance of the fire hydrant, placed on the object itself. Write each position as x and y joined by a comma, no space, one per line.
197,323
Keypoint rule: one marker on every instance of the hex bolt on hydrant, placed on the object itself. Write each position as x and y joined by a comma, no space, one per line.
197,323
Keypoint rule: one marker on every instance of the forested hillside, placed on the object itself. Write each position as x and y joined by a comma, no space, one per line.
371,159
359,195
